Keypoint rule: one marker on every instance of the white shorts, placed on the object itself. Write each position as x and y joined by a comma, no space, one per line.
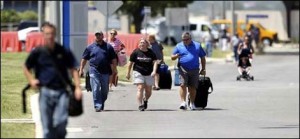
139,78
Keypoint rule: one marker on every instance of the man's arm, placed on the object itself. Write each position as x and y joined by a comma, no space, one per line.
32,81
78,93
203,66
82,64
113,66
174,57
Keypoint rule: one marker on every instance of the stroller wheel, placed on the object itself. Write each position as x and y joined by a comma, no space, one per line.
252,78
238,78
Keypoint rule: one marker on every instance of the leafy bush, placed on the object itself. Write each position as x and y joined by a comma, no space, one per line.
28,15
12,16
9,16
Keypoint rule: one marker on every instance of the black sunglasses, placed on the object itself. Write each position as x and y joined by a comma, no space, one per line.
185,39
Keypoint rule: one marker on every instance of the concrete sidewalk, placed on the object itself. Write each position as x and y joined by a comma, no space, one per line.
34,98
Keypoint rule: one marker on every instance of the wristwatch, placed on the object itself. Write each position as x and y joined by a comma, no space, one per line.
203,70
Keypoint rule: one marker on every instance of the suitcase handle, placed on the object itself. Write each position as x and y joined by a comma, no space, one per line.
24,97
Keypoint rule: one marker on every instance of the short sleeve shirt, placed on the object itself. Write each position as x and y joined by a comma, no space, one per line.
116,44
143,61
41,62
100,57
157,49
189,55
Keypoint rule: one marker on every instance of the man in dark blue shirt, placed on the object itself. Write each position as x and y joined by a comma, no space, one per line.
103,61
51,63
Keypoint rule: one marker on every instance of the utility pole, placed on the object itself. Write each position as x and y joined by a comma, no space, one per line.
40,14
212,11
233,24
223,9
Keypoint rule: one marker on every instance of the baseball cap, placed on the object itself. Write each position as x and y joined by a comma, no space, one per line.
99,32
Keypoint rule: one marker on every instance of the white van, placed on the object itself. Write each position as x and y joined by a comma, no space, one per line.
197,29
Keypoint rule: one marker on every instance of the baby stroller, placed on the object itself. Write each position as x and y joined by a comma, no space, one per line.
244,67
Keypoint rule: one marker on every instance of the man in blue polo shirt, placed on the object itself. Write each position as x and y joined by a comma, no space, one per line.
188,52
103,62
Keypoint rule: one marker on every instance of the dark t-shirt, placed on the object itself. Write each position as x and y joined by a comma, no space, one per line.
41,61
100,57
143,61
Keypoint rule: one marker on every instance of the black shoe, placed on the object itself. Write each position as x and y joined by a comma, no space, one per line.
145,104
141,108
102,107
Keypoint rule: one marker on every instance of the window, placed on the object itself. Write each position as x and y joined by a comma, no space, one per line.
204,28
193,27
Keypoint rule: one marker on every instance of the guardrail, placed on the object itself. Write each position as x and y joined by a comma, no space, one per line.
10,42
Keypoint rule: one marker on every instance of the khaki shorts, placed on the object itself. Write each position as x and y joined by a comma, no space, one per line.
139,78
190,79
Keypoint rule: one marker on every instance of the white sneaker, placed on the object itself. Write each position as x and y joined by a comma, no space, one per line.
182,106
192,106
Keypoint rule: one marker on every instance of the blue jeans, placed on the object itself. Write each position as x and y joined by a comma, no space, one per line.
99,84
208,49
53,106
236,56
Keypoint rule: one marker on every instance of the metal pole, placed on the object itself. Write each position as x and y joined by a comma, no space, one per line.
232,19
223,9
107,20
145,23
40,11
212,12
169,28
57,21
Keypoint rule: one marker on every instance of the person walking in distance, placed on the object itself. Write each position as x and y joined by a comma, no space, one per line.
144,64
49,62
118,46
102,60
157,48
188,52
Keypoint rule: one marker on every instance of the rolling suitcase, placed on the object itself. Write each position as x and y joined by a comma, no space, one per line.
203,91
165,78
87,82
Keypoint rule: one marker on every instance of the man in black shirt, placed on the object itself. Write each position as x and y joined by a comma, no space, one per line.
51,63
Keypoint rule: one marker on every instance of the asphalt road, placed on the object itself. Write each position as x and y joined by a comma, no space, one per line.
266,107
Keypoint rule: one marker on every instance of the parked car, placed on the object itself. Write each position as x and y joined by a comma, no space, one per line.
22,34
266,36
26,24
163,33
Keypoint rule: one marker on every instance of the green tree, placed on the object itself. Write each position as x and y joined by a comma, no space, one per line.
135,8
28,15
9,16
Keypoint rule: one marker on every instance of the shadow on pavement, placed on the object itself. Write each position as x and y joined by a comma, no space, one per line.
160,110
119,110
281,53
212,109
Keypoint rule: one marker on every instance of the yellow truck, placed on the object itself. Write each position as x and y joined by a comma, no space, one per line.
266,36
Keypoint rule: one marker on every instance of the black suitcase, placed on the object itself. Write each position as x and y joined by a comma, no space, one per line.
165,80
203,91
87,82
